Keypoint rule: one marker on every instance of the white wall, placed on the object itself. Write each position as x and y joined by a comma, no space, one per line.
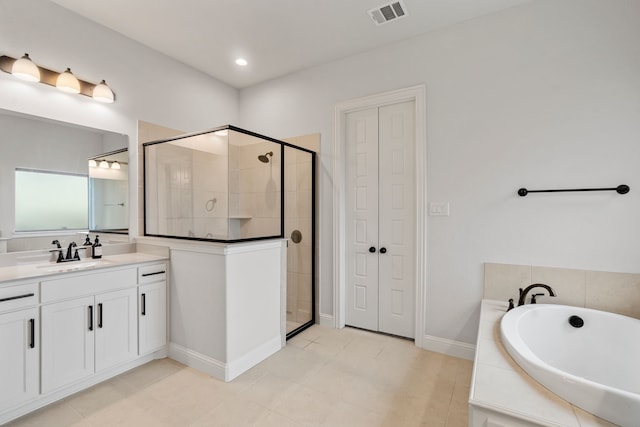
148,85
544,95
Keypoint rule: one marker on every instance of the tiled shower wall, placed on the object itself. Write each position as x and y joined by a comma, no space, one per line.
209,198
613,292
254,190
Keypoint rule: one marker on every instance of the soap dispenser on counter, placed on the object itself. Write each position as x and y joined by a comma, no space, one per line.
87,245
97,248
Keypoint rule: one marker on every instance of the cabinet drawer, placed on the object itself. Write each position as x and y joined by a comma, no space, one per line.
87,284
13,297
152,273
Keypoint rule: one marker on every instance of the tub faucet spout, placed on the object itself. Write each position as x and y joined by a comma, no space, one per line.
523,293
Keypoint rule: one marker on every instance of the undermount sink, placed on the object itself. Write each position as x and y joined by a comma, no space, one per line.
62,267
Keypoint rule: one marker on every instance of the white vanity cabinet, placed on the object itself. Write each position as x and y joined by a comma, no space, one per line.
67,342
19,347
62,331
152,307
89,324
116,328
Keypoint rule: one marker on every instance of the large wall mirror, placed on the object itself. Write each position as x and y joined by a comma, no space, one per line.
33,147
109,192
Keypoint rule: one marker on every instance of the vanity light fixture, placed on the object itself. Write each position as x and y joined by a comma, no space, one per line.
26,69
115,165
104,164
67,82
92,163
103,93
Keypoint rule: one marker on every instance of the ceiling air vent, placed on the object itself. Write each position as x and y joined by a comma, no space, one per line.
388,12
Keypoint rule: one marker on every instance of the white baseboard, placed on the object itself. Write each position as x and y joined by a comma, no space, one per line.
252,358
327,320
220,370
198,361
449,347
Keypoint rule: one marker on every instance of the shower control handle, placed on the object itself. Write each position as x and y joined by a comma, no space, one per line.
372,249
383,250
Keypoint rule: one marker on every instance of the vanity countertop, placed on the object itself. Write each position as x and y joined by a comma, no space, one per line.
499,384
29,271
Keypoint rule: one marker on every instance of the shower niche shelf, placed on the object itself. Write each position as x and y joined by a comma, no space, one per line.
220,185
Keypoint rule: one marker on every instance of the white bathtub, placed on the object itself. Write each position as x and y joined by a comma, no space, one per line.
595,367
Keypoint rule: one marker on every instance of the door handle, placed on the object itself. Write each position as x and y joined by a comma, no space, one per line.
152,274
16,297
91,318
100,315
32,332
372,249
383,250
144,304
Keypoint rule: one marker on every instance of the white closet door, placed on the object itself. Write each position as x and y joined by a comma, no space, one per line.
380,291
362,219
397,219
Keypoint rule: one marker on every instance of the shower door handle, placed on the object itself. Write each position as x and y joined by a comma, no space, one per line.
372,249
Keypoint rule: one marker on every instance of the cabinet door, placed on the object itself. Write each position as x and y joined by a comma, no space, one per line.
67,342
116,328
19,361
152,315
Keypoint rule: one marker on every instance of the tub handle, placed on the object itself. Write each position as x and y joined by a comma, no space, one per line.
533,298
510,304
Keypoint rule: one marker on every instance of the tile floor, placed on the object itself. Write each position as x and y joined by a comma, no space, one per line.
323,377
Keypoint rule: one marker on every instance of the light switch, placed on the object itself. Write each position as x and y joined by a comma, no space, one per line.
439,209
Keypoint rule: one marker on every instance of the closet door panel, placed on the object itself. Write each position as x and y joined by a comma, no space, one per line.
362,215
396,219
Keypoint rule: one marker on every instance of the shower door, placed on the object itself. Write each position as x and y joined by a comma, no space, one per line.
299,229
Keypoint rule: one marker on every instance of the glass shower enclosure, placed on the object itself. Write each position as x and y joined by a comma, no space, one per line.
222,185
232,185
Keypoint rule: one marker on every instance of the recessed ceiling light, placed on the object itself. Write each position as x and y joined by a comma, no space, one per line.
241,62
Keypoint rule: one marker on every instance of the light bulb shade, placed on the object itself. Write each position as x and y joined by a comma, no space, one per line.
104,164
92,163
67,82
115,165
103,93
25,69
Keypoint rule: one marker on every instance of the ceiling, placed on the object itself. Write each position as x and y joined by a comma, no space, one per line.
277,37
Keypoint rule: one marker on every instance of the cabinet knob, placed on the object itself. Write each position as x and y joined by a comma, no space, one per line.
383,250
372,249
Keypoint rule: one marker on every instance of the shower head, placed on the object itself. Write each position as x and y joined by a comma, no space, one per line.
263,157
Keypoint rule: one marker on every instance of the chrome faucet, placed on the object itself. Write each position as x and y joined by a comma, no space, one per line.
523,293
